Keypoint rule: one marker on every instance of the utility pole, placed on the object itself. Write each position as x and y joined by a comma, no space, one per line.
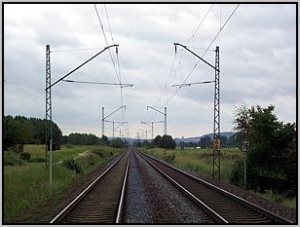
152,122
102,121
217,139
165,117
48,111
216,129
165,125
104,117
152,130
49,85
113,130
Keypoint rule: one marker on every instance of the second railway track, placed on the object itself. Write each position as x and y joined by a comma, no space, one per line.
101,201
230,208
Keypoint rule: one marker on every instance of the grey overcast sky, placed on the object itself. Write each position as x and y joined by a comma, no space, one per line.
257,63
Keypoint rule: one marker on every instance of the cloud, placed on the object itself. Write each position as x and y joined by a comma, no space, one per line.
257,61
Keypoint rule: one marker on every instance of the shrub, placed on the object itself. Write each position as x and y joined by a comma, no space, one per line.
237,174
10,159
25,156
38,159
170,158
73,165
99,152
117,143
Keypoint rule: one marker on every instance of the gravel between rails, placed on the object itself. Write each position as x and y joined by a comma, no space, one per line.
152,199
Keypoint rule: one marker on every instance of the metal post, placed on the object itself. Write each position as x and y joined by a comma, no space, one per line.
165,128
216,137
102,121
113,130
245,170
152,129
48,111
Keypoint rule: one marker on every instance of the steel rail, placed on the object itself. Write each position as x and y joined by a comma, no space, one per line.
236,198
217,217
84,192
121,201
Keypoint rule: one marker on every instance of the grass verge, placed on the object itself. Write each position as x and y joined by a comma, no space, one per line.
26,184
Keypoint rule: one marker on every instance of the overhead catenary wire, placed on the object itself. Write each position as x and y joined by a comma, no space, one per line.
102,28
74,50
203,54
112,38
117,71
99,83
200,24
179,65
169,98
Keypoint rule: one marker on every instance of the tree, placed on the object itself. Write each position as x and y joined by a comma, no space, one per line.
205,142
272,151
117,143
165,141
20,130
105,139
157,141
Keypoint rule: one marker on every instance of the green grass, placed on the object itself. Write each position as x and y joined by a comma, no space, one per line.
276,198
26,184
199,161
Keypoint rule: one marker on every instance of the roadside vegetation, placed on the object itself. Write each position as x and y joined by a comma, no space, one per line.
199,161
26,177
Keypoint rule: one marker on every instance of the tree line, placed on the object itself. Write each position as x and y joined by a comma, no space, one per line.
82,139
206,142
20,130
165,141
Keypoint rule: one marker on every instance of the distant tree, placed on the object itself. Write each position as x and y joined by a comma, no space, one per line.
167,142
64,139
11,131
105,139
84,139
157,141
223,141
117,143
205,142
20,130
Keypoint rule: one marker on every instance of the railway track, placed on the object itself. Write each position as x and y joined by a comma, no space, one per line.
153,199
102,200
222,205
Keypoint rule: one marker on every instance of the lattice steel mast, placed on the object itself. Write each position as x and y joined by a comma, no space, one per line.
216,132
48,111
216,137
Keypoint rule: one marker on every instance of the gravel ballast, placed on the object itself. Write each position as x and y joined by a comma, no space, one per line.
153,199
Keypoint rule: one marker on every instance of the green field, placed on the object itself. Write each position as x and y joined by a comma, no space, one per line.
26,183
199,161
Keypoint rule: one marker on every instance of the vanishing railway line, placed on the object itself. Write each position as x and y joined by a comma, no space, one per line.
103,200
